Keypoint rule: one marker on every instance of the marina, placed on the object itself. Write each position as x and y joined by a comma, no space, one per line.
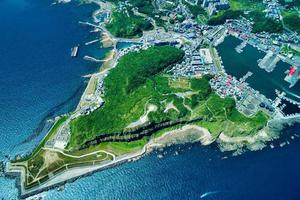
265,82
245,68
292,76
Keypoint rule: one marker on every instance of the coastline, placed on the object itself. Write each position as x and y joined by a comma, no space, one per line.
72,174
107,64
202,136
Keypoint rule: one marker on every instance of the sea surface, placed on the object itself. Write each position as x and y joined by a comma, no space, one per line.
39,80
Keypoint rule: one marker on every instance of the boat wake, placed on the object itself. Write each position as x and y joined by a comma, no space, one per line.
207,194
294,95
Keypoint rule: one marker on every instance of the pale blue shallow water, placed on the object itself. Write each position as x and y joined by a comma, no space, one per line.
38,78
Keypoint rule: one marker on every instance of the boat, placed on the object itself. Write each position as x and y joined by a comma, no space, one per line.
292,76
74,51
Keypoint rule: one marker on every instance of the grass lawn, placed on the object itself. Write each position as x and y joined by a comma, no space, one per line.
287,49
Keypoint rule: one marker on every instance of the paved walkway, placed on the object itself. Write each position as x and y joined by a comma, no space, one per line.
81,156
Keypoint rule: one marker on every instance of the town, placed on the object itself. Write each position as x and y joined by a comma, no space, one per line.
199,43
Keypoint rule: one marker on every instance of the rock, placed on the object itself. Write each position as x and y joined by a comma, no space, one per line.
292,137
282,144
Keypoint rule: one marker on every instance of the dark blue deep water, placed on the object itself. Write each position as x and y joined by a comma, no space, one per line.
39,80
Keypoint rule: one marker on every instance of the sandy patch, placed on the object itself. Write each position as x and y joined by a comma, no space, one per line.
144,118
50,157
186,134
187,94
170,106
106,41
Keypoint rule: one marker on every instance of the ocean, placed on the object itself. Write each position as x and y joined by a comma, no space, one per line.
39,80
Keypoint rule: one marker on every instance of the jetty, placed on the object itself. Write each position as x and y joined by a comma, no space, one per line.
244,78
240,47
291,101
269,62
92,42
89,58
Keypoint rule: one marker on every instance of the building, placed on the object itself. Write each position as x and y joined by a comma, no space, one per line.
206,55
292,76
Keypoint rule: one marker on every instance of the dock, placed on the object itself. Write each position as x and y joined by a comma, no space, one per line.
92,59
291,101
244,78
92,42
74,51
269,62
240,47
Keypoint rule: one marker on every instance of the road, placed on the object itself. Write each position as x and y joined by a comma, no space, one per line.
81,156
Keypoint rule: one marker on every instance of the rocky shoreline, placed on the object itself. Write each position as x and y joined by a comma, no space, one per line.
198,133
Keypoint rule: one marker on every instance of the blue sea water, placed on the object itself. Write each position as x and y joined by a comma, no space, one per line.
39,80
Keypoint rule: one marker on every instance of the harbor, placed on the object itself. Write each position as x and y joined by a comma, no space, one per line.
247,61
245,68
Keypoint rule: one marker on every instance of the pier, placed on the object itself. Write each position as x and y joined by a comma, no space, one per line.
89,58
291,101
92,42
244,78
269,62
282,95
240,48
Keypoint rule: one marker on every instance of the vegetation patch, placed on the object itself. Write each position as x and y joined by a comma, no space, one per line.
292,21
128,88
126,24
46,163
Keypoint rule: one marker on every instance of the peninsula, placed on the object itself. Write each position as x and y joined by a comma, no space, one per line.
168,87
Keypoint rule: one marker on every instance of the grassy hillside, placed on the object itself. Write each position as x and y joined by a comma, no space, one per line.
138,81
128,25
128,88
